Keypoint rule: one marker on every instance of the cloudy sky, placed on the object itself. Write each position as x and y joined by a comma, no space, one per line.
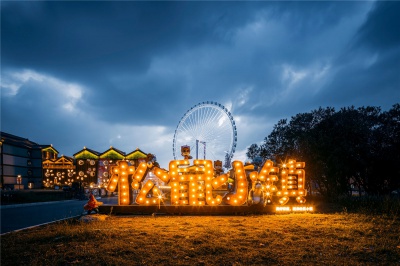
122,74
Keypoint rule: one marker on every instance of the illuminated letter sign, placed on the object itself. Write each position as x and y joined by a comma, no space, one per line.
119,176
266,179
293,182
195,184
239,195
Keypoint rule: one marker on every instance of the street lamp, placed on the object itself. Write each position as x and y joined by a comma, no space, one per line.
19,181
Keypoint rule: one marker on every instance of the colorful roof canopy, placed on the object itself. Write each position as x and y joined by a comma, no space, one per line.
136,154
86,154
50,148
113,153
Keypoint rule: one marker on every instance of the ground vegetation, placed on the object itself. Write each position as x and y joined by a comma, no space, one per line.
290,239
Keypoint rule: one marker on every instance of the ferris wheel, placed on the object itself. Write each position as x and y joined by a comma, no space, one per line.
209,130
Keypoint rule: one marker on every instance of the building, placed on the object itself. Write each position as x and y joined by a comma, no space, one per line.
94,167
21,159
39,166
58,171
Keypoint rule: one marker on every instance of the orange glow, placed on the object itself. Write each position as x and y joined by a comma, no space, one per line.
282,209
195,184
120,179
152,190
238,196
296,182
266,178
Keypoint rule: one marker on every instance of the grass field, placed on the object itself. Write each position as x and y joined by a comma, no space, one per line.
289,239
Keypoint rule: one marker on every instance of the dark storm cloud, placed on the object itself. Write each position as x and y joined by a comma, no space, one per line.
304,39
109,73
381,30
361,66
105,45
367,72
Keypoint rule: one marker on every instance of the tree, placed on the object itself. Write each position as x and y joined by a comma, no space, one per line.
343,150
383,173
253,151
276,145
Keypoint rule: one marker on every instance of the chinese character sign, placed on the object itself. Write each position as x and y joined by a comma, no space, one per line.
202,183
292,182
119,177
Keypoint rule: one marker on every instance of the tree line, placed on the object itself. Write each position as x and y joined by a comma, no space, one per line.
352,149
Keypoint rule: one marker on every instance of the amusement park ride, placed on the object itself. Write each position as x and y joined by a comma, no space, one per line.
202,186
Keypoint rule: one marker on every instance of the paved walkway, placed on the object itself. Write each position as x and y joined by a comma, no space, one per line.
21,216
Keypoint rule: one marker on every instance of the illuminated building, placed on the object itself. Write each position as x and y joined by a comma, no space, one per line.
20,156
58,171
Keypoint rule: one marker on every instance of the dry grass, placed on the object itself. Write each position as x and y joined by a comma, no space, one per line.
292,239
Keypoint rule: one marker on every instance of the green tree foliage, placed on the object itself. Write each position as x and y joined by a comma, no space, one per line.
345,150
253,151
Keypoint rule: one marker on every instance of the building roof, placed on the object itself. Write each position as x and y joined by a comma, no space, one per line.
49,148
136,154
112,153
64,159
87,153
19,141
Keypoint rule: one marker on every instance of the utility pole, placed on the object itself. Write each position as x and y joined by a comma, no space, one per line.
197,148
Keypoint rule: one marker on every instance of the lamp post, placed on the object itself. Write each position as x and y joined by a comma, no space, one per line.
19,181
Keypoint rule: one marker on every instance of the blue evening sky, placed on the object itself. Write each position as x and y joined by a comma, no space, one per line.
122,74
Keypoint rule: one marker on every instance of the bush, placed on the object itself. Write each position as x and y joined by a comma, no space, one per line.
374,205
